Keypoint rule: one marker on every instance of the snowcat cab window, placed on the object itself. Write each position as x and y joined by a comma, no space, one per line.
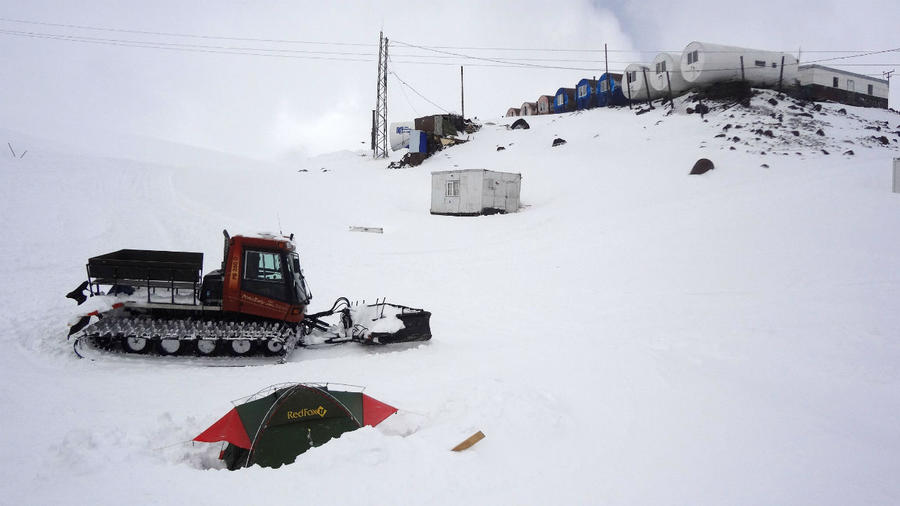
263,274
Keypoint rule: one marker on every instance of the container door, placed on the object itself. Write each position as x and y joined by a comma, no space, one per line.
511,195
499,190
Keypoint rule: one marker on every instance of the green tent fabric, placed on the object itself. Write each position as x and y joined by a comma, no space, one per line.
274,429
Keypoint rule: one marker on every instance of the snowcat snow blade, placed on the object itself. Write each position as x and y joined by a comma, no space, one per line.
82,323
416,327
78,294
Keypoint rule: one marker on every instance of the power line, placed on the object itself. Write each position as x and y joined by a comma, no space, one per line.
177,34
394,73
493,60
350,56
359,44
193,48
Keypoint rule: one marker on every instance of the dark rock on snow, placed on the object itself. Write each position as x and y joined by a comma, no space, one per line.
520,124
820,132
702,166
558,142
849,152
501,148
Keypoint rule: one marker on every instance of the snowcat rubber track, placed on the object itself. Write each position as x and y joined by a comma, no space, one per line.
145,335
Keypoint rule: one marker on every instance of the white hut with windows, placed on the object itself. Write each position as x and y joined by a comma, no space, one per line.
818,82
473,192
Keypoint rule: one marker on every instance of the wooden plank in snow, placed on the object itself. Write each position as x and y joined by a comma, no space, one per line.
471,440
373,230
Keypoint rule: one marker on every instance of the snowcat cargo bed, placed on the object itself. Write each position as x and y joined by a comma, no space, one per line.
146,268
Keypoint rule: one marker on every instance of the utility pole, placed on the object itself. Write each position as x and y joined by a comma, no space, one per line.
608,87
379,126
462,92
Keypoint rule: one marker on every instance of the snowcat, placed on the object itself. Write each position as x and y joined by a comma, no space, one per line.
158,302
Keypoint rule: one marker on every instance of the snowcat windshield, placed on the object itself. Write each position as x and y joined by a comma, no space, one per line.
296,272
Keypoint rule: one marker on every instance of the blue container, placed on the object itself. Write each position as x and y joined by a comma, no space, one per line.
586,94
610,90
564,100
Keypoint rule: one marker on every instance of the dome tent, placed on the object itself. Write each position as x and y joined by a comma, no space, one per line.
276,425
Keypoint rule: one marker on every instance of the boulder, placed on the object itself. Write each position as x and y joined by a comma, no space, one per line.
702,166
520,124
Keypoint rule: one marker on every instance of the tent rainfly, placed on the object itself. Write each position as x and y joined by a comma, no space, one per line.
564,100
274,428
585,94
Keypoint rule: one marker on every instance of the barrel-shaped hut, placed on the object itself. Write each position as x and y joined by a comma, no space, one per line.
528,109
665,75
512,111
586,94
564,100
636,86
703,64
609,90
545,104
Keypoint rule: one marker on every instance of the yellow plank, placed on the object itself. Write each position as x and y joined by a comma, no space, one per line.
471,440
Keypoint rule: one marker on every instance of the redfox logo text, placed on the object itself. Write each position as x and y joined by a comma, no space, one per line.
303,413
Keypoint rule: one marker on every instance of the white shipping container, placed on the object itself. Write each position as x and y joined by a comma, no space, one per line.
473,192
399,134
665,73
636,83
703,63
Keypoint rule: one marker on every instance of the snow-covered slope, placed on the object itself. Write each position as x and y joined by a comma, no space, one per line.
634,335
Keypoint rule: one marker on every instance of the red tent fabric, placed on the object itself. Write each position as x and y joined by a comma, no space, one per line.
374,412
228,428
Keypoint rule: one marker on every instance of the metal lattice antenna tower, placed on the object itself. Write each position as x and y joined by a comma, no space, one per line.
379,128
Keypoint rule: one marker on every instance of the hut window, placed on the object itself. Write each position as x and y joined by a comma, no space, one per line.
559,99
452,188
693,57
604,86
834,82
871,90
660,67
851,86
582,91
760,63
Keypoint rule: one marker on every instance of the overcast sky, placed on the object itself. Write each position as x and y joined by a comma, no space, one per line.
188,88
